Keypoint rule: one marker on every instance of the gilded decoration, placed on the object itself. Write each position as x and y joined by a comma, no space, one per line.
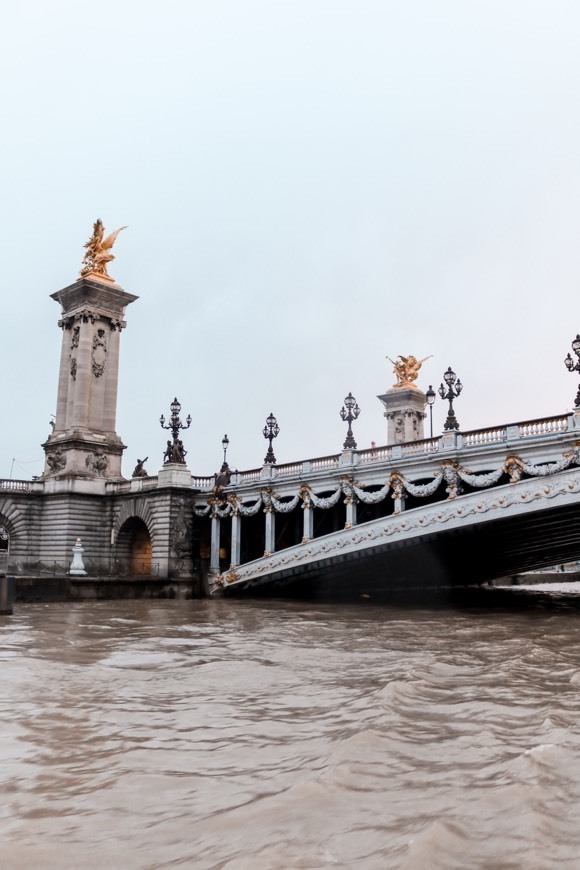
407,368
98,253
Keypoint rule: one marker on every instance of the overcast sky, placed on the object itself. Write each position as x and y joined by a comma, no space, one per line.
309,186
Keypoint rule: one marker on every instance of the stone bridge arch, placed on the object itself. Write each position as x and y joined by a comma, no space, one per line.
13,527
134,539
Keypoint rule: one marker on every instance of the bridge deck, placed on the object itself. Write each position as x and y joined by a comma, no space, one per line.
514,528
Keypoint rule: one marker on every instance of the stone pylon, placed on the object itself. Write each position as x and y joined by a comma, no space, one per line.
405,412
84,443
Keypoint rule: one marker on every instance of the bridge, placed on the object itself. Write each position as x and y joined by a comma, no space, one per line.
458,508
455,509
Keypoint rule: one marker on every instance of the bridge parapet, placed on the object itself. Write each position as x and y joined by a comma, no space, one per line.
534,437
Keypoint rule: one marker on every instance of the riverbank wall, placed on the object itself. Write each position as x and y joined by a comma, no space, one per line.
64,588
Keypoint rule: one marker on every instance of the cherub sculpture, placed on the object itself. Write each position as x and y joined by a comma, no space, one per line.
98,251
407,369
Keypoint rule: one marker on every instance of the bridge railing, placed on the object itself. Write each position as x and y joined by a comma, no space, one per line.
547,426
539,428
514,431
15,485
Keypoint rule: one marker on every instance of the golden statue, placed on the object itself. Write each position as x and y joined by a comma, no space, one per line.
99,252
406,369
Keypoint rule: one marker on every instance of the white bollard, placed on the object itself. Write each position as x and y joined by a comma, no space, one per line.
77,567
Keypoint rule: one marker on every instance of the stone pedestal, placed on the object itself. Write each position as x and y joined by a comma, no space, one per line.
174,474
405,412
84,442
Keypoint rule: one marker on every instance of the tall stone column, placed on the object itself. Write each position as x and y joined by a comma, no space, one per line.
84,443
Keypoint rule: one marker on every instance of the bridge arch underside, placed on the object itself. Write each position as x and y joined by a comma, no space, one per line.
464,542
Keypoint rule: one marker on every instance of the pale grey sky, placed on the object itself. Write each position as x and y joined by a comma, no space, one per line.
309,185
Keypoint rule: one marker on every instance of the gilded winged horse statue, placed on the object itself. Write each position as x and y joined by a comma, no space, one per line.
98,252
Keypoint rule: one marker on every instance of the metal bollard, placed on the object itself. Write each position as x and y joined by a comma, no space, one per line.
6,595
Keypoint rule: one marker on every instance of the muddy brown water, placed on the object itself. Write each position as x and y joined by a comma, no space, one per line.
273,734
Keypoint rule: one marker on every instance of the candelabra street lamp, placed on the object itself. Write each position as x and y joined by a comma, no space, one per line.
574,367
175,451
225,445
430,396
270,431
348,413
452,392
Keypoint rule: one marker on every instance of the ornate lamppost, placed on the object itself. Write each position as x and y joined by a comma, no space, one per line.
175,451
348,413
430,396
225,445
270,431
452,392
574,367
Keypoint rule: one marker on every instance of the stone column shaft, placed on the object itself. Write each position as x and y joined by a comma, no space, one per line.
308,524
111,381
63,380
270,537
236,540
214,557
350,513
82,388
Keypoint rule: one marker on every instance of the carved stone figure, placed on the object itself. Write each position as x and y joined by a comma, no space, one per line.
399,430
406,368
97,462
181,533
175,452
56,461
223,477
139,470
99,353
98,252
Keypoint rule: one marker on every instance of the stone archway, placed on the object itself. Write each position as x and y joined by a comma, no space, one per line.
133,547
4,544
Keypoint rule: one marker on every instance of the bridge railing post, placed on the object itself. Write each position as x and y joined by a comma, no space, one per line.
451,441
348,457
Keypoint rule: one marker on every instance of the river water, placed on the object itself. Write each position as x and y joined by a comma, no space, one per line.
257,734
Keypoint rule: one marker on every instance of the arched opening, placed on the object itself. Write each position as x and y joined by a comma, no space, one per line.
4,541
133,548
